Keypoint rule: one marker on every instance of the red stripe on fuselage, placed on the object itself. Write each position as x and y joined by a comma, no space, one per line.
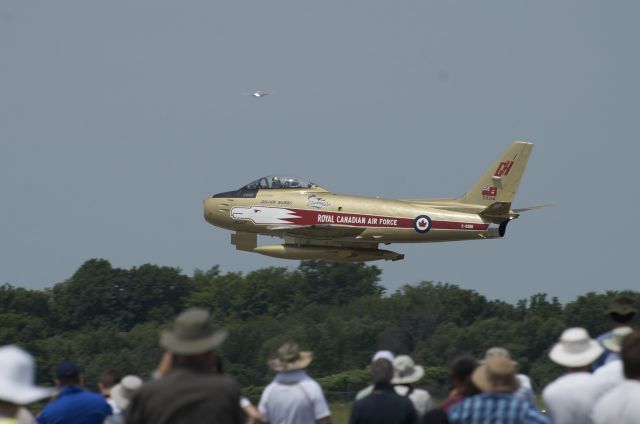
319,217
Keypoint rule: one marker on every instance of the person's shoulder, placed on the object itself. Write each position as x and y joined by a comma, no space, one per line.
457,408
420,394
312,387
606,335
623,395
570,380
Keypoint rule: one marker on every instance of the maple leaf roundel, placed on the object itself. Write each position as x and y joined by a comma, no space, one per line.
422,224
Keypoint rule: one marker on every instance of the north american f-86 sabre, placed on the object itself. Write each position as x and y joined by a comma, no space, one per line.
318,224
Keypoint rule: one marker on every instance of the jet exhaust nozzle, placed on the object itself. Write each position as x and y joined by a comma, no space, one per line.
497,231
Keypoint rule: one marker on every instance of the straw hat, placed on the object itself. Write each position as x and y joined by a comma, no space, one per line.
497,374
614,343
575,349
123,392
17,374
289,358
405,371
192,334
497,351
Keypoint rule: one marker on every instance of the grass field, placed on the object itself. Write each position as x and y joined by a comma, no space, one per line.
340,412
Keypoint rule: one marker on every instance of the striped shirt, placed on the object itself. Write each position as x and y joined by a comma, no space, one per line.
498,408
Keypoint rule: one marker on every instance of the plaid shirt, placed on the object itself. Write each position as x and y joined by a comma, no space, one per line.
499,408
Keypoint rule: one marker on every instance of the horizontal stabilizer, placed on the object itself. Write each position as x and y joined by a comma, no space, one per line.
497,209
530,208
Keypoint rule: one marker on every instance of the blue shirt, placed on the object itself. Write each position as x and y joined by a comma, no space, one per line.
498,408
75,406
607,356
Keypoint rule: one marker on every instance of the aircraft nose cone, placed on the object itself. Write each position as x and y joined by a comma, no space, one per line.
210,206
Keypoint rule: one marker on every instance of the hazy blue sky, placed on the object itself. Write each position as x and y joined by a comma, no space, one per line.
118,118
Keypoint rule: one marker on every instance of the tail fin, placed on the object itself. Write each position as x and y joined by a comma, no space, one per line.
500,183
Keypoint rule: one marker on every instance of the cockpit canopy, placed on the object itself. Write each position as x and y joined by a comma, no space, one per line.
270,182
279,182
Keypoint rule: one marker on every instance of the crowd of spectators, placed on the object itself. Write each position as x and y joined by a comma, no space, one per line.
601,384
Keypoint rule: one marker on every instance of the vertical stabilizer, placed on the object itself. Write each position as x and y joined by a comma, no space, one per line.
500,183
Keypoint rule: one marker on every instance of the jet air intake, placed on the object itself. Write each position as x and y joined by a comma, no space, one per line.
286,251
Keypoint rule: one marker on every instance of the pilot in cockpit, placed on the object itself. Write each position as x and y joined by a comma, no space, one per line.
276,183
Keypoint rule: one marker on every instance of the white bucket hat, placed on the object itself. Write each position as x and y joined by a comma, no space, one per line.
383,354
405,371
17,375
614,343
123,392
575,348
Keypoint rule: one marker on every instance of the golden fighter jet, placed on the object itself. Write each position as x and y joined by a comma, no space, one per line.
318,224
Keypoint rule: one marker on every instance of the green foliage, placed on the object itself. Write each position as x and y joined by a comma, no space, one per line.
99,295
104,317
346,381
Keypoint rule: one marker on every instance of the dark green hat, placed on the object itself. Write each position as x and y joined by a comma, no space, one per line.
192,334
622,305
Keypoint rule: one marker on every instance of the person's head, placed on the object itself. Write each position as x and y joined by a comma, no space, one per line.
631,355
193,339
68,374
381,371
17,376
108,378
123,392
575,349
405,370
621,311
383,354
460,370
289,358
496,375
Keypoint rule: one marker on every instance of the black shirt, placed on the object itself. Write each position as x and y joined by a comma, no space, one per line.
383,406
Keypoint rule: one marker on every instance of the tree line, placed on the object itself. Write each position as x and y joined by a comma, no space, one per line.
106,317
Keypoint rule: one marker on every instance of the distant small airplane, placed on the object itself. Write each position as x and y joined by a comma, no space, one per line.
257,94
318,224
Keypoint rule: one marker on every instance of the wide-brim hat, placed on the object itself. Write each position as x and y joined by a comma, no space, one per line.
575,349
405,371
622,305
497,373
290,358
17,376
614,343
123,392
192,334
497,351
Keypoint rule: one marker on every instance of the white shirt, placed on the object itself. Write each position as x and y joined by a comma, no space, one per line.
525,391
421,399
620,405
569,399
117,416
609,376
293,398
